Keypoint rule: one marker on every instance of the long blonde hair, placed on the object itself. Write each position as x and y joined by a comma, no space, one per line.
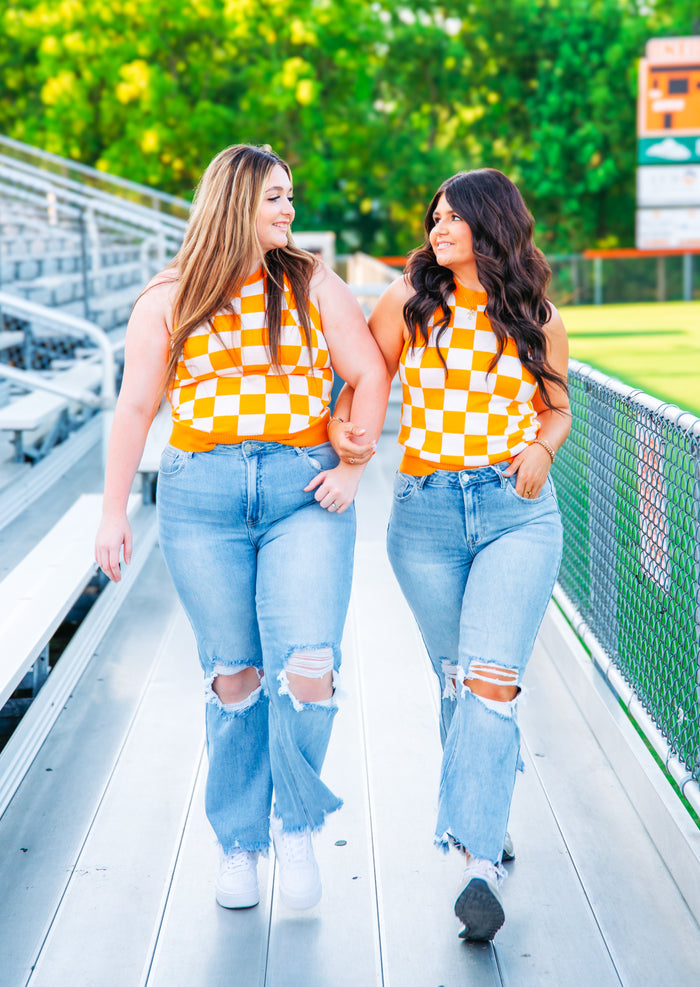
221,248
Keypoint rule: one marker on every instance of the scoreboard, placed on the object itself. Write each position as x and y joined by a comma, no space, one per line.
668,148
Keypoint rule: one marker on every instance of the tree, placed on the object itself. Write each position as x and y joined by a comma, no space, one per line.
373,102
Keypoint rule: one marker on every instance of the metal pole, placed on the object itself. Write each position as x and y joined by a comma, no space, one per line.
575,289
84,264
597,280
661,279
687,277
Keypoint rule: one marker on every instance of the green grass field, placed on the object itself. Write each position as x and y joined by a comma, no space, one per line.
655,346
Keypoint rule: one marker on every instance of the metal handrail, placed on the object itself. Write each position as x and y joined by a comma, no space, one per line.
87,193
71,324
138,216
36,197
685,420
56,164
29,379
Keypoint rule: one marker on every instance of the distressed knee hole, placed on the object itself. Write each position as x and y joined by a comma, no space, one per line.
234,689
309,677
311,663
505,708
451,672
492,674
500,689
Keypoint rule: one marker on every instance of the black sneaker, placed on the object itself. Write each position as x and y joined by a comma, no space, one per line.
479,905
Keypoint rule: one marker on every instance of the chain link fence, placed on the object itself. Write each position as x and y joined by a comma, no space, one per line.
628,482
578,279
612,277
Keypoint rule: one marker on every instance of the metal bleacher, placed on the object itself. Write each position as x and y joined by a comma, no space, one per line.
76,247
107,862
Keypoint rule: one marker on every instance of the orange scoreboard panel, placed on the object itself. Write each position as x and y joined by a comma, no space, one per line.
669,88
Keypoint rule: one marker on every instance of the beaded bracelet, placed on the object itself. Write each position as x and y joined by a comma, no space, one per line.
334,418
546,446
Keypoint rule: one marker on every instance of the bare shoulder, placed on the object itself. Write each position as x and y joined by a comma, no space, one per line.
401,289
325,285
157,298
162,285
557,341
391,302
554,326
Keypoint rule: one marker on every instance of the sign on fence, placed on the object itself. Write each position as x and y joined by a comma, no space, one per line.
668,185
669,88
668,130
668,229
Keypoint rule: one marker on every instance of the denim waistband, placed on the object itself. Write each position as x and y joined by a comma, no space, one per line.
461,478
256,447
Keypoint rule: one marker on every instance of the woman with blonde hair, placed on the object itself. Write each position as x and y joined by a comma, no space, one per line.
255,511
475,533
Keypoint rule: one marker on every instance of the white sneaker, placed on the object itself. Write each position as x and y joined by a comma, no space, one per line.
508,849
299,877
479,906
237,882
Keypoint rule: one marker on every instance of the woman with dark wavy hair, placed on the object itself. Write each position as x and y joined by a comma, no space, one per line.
255,512
475,533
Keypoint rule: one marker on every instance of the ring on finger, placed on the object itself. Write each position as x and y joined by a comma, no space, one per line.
332,506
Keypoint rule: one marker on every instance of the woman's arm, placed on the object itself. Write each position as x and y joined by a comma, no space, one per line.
533,464
354,353
145,360
387,326
355,356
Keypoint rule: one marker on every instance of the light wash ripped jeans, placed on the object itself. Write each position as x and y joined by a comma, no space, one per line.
477,564
264,575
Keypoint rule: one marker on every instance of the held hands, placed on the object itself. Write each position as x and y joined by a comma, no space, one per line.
336,488
532,466
340,435
112,534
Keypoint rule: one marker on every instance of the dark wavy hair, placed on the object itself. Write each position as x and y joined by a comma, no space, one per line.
513,271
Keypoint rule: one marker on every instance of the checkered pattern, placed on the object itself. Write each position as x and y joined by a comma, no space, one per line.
226,386
466,418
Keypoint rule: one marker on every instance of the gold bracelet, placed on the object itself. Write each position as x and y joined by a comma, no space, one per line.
546,446
334,418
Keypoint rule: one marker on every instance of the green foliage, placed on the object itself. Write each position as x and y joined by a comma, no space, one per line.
579,163
372,102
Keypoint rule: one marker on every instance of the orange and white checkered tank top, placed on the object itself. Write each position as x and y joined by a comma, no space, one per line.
467,417
226,389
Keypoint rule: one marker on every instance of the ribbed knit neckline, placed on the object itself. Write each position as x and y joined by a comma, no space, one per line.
468,297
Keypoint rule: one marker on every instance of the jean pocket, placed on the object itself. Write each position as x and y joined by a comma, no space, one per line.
404,486
545,493
173,460
321,457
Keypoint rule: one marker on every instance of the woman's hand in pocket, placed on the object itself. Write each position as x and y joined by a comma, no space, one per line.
532,468
336,488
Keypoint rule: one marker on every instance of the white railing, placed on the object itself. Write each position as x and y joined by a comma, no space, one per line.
91,178
70,325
